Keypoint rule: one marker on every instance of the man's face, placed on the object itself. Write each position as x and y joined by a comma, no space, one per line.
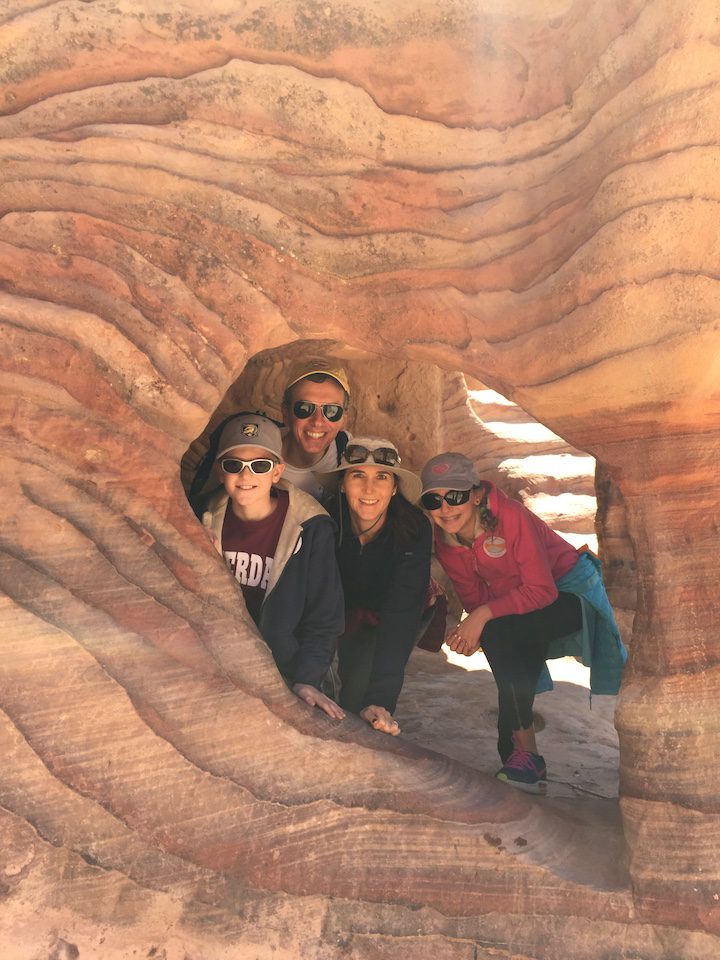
308,439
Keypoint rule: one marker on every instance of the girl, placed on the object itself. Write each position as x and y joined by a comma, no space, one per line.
523,587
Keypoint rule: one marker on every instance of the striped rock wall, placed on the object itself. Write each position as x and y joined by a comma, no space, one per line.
524,192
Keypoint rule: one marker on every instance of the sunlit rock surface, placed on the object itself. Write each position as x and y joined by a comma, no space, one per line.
528,195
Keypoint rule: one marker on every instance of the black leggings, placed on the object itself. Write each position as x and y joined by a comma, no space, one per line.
516,647
356,654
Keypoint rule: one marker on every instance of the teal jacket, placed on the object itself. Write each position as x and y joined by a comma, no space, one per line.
597,644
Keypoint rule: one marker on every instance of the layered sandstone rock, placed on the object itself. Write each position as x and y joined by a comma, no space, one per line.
528,197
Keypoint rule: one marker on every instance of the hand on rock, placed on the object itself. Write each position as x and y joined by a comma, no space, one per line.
316,698
380,719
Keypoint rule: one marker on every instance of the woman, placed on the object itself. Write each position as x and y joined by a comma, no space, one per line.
384,547
523,587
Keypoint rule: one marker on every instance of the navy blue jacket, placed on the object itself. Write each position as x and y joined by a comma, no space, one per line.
302,614
389,580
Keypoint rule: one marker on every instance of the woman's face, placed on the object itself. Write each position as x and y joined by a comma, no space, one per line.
459,520
368,489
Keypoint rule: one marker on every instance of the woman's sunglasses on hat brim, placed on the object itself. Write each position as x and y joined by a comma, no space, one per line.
302,409
356,453
433,501
259,466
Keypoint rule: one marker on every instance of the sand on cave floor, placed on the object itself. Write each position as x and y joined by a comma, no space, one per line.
449,704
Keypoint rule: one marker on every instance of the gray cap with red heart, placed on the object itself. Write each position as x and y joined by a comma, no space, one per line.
449,471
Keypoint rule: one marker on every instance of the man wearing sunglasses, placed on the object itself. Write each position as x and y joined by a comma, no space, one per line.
314,409
279,544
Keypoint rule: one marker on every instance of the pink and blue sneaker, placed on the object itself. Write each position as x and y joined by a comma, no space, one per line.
524,770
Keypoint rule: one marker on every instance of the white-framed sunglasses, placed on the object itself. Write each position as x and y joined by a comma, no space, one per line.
259,466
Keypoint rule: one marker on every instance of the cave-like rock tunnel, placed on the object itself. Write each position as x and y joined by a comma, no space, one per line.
526,193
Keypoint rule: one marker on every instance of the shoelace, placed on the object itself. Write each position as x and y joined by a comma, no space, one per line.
520,759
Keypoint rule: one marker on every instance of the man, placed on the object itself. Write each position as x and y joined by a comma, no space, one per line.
314,410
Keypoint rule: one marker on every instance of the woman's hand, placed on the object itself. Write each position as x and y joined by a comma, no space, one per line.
380,719
316,698
465,638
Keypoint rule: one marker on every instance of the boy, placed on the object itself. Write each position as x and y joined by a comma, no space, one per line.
280,545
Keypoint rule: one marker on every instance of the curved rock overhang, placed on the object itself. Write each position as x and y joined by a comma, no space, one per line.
529,198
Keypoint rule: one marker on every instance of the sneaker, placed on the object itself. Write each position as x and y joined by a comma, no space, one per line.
524,770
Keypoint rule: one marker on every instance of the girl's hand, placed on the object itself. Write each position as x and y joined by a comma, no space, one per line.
380,719
316,698
465,638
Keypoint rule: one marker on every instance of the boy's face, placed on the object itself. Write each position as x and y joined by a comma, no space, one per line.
248,490
310,438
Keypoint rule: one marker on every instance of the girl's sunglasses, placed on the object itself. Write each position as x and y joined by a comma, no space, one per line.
356,453
433,501
231,465
302,409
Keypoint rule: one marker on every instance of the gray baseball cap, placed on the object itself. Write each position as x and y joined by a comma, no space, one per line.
449,471
251,430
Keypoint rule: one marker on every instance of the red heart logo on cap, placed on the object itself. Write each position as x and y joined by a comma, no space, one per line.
440,468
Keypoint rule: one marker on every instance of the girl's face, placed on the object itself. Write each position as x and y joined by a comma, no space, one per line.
459,520
368,488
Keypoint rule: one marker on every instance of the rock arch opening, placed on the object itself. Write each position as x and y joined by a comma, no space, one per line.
423,408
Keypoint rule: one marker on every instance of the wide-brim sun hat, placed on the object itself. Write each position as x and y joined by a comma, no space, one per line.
449,471
408,482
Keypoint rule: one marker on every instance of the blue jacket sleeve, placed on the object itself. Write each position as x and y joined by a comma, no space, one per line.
399,620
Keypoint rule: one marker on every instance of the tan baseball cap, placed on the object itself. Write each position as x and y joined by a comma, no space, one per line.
306,368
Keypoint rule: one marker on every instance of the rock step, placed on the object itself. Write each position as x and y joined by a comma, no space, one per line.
526,433
488,405
552,473
553,479
566,511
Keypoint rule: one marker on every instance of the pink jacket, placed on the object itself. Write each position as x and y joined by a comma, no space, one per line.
512,570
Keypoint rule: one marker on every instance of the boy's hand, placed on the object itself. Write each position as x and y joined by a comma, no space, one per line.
380,719
316,698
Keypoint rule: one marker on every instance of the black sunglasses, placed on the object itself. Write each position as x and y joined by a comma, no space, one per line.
356,453
259,466
433,501
302,409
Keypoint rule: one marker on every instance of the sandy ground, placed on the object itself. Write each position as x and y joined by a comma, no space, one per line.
449,704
